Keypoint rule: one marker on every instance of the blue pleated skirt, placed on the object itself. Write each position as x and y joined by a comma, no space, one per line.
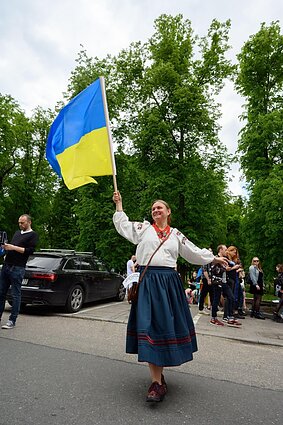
160,327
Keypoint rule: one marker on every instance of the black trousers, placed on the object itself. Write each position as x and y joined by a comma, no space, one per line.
206,289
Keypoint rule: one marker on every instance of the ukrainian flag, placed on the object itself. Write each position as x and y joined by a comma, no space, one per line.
78,145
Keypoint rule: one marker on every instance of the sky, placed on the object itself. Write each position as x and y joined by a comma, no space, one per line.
40,41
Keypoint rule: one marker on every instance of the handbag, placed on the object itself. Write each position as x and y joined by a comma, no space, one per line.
133,290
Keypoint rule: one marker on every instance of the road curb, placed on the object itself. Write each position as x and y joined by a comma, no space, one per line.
201,332
98,319
243,340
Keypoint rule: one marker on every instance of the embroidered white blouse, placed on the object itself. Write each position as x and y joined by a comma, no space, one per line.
145,236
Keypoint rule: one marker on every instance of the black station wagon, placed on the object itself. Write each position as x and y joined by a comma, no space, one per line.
68,278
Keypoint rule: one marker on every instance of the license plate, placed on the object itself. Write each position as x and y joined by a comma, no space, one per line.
25,282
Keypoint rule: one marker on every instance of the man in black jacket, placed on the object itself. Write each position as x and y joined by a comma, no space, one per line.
17,252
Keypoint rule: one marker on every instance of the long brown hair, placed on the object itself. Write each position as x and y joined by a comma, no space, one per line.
232,255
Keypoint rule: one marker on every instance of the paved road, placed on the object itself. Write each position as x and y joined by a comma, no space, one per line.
57,369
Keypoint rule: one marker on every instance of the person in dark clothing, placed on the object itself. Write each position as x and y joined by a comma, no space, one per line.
233,281
206,289
278,286
17,252
256,287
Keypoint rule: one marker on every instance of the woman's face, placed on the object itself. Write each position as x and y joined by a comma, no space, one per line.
255,262
233,252
159,211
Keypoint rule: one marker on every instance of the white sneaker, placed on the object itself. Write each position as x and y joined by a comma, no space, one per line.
204,311
9,325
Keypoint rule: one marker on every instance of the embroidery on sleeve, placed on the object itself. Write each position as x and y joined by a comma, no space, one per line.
181,237
184,240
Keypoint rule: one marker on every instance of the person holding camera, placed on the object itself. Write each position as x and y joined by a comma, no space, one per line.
220,286
16,255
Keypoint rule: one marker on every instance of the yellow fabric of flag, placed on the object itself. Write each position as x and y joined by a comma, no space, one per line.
78,145
91,156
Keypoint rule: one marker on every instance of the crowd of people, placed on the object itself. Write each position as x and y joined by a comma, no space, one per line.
223,289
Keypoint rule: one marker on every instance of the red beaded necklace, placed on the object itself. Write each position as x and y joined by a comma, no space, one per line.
162,234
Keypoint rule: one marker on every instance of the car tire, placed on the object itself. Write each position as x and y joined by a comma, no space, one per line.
121,293
75,299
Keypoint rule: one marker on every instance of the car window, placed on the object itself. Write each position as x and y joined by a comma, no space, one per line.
48,263
73,264
87,264
99,265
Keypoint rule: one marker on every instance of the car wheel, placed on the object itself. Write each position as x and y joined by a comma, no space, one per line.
121,293
75,299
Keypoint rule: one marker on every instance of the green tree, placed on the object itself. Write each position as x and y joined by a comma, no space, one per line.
62,227
173,125
235,211
31,186
161,98
26,183
13,126
263,225
260,81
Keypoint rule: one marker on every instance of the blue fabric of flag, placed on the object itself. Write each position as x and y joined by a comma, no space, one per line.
80,116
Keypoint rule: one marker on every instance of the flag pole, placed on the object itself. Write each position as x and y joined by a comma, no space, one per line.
102,83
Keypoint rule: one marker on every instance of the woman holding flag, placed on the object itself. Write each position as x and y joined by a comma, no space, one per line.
160,327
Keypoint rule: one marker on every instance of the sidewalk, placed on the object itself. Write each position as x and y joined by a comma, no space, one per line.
252,331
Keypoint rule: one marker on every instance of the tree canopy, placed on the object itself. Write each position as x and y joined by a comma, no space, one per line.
165,125
260,81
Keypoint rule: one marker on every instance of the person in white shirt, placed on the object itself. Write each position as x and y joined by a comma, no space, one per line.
160,327
131,265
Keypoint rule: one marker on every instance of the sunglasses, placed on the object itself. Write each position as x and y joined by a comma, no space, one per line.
256,261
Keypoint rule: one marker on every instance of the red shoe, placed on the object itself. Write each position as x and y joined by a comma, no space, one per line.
156,392
216,322
233,322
